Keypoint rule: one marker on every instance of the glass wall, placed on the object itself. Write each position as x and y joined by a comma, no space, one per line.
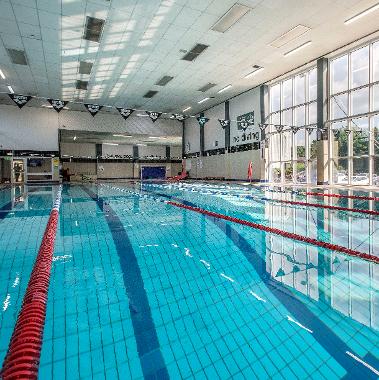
354,99
292,130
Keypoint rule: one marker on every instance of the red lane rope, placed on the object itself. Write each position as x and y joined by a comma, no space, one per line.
362,197
276,231
24,351
339,208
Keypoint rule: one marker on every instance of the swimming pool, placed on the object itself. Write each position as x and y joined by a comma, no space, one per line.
141,288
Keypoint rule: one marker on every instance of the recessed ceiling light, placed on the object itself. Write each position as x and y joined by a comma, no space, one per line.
153,137
362,14
110,144
305,44
203,100
142,144
235,13
186,109
10,89
287,37
224,89
74,138
256,71
2,74
122,135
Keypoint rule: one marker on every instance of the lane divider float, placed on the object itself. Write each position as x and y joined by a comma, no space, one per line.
361,197
330,207
24,351
276,231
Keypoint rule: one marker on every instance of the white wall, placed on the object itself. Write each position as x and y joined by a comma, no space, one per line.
192,135
244,103
175,151
37,128
78,150
121,150
152,150
212,130
28,128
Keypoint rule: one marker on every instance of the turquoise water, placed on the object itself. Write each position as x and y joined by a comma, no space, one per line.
142,289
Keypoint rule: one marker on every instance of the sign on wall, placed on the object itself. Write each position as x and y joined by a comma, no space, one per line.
245,121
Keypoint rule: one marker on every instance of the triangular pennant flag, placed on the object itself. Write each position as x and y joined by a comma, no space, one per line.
280,273
309,130
178,117
57,104
125,112
279,128
154,115
296,269
224,123
93,109
295,130
263,126
20,100
202,120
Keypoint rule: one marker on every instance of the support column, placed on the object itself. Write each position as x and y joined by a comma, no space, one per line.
227,128
322,116
201,137
168,153
183,138
264,105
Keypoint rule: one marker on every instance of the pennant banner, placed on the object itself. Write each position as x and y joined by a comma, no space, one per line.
57,104
279,128
202,120
20,100
125,112
178,117
93,109
154,115
263,127
224,123
309,130
295,130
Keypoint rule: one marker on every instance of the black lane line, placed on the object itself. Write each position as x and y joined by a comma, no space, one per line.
150,355
321,332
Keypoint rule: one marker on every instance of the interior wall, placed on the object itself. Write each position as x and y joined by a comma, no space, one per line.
240,105
228,166
212,130
32,128
78,150
117,150
192,136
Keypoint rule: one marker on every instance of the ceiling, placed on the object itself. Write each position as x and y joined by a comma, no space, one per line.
68,136
144,40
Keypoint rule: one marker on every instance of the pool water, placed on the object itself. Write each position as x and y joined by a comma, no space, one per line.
143,289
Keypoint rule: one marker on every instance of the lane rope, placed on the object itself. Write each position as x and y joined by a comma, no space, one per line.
276,231
331,195
24,351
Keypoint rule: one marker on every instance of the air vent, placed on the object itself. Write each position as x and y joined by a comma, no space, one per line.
81,84
289,36
164,80
85,67
17,57
206,87
93,29
150,94
195,52
235,13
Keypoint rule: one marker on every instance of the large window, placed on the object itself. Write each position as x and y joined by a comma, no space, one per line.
354,99
292,129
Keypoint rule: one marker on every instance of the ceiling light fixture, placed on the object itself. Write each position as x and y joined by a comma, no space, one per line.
305,44
224,89
235,13
122,136
10,89
186,109
362,14
153,137
256,71
142,144
113,144
74,138
2,74
203,100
